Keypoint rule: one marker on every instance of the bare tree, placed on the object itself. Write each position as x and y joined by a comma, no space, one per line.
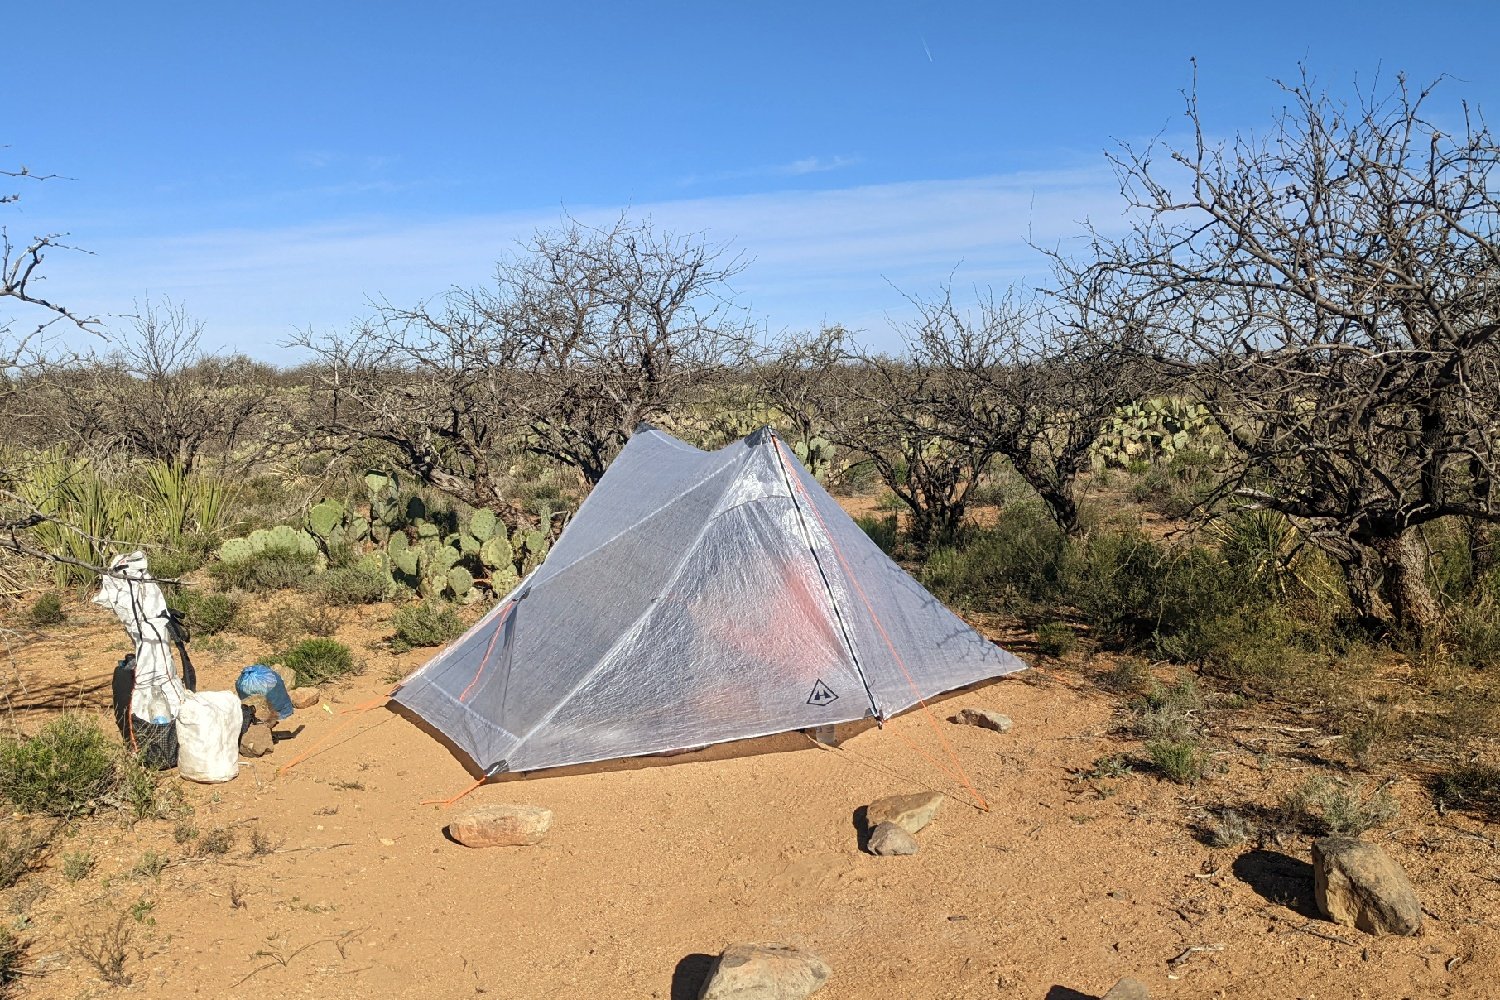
163,396
1335,285
21,275
438,386
623,324
586,334
1036,380
893,409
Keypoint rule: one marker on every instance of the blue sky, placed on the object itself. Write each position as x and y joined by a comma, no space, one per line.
274,166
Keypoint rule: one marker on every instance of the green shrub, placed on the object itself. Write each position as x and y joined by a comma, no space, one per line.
189,554
76,865
202,612
1328,805
46,610
61,770
142,792
1055,639
350,585
12,953
317,661
424,624
1168,713
20,847
273,569
1182,761
1474,787
882,531
1020,560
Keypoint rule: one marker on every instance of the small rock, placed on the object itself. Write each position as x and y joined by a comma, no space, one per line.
1359,885
765,972
909,812
983,719
257,740
305,697
501,825
888,839
1127,989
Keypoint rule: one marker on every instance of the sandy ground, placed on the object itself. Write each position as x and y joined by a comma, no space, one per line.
1063,886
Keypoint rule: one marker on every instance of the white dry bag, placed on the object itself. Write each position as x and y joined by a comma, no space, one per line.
208,736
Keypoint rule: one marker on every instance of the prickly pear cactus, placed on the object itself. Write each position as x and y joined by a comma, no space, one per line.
460,582
817,454
236,551
482,525
497,553
325,517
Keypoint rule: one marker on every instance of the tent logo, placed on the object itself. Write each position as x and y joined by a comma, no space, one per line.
822,694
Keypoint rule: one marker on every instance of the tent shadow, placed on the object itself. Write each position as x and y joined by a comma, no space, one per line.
1063,993
690,975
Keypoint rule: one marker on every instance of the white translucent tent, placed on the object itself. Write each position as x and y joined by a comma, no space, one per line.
696,598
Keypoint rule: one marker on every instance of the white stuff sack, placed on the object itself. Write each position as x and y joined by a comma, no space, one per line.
208,736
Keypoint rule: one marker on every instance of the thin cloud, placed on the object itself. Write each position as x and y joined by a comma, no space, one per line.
796,168
812,255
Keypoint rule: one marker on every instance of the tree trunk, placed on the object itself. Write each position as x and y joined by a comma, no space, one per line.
1404,562
1387,577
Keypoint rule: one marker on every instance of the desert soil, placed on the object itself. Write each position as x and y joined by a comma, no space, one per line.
1060,888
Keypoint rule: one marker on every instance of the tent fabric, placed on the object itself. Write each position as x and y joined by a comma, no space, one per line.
695,598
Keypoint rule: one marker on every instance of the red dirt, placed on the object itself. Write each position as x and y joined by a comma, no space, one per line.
651,866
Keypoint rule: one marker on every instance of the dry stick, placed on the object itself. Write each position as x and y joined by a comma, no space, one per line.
1310,929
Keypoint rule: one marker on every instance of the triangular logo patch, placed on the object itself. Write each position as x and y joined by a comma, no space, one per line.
822,694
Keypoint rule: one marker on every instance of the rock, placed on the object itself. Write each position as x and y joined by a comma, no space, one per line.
501,825
305,697
1127,989
983,719
888,839
257,740
765,972
1358,884
909,812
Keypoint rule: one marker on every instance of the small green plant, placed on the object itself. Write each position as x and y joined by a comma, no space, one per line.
184,832
1127,676
62,770
357,584
1229,829
1055,639
1167,714
1333,806
261,844
20,848
1115,765
217,841
424,624
140,910
1182,761
46,610
151,865
882,531
141,791
317,661
77,865
1474,787
205,613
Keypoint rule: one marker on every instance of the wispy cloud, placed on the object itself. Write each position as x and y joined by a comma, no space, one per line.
812,255
796,168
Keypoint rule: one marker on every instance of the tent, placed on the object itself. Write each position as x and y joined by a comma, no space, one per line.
695,598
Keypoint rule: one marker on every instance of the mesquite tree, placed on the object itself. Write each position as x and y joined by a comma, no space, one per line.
1336,287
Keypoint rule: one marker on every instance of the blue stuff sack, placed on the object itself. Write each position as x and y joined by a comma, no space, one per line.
258,679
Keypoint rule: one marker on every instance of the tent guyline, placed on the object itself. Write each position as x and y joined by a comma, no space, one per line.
697,598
